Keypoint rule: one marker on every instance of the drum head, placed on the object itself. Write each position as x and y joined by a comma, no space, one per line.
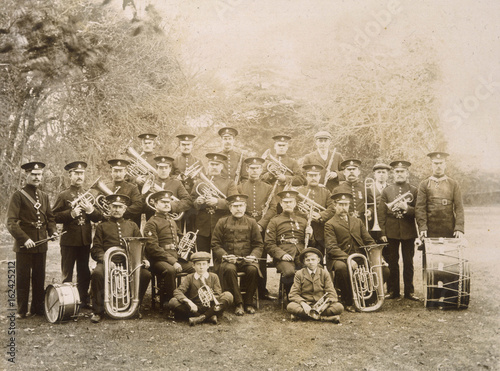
52,304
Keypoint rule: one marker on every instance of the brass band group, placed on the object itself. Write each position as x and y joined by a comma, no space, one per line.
206,229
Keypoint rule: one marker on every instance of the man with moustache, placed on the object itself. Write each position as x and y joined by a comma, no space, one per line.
29,220
186,160
323,156
76,214
397,226
439,209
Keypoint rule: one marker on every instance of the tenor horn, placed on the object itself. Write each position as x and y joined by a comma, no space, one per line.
367,282
275,166
122,269
87,196
100,201
370,184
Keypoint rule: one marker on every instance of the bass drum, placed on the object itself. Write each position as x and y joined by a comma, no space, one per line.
62,302
446,274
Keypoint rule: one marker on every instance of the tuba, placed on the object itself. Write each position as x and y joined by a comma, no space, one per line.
319,307
122,269
140,167
367,280
186,244
370,184
157,188
207,296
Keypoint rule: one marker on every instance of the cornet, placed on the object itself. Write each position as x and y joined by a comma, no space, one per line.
191,171
140,167
319,307
307,205
87,197
207,296
186,244
370,184
405,197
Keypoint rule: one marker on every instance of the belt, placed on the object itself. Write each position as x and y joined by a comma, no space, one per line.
170,246
294,241
442,201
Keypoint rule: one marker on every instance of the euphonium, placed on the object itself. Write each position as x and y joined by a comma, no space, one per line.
122,269
367,279
140,167
319,307
370,184
158,188
207,296
186,244
405,197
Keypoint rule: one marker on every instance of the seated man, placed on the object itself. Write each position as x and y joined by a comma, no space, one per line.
285,238
187,302
237,245
344,235
313,285
108,234
162,245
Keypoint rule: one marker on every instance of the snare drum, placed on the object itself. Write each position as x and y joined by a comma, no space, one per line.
62,302
446,274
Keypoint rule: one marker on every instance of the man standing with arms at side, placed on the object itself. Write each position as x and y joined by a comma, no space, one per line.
397,224
76,217
439,209
29,220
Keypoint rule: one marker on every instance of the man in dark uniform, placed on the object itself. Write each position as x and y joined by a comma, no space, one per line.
76,213
121,186
356,188
236,244
292,174
439,209
323,157
162,245
109,234
29,220
181,200
186,161
210,208
344,234
261,206
398,228
148,147
321,196
234,169
285,238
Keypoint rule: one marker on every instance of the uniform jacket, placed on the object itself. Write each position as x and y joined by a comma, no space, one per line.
205,221
398,226
295,179
188,289
234,162
439,209
163,240
321,196
314,158
22,217
109,234
134,210
344,238
308,289
175,186
258,193
357,190
282,227
79,229
236,236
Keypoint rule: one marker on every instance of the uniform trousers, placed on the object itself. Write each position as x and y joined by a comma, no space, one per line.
183,310
30,266
97,283
79,255
407,252
332,310
287,270
167,277
204,243
228,275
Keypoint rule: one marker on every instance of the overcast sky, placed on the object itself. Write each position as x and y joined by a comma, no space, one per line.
224,36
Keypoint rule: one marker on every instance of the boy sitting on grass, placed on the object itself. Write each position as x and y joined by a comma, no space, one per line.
187,302
312,284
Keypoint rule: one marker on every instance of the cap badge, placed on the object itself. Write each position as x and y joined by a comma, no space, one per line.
163,159
36,166
118,163
288,194
237,198
351,163
254,161
186,138
343,197
215,157
282,139
79,166
400,164
314,168
438,155
150,233
118,198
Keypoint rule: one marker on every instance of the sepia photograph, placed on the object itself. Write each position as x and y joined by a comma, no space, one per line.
250,185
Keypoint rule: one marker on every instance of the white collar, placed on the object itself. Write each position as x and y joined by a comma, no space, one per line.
311,272
205,275
440,179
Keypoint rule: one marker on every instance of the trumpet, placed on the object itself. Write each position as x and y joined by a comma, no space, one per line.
370,184
87,197
319,307
140,167
366,279
207,296
275,166
158,188
122,277
405,197
186,244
